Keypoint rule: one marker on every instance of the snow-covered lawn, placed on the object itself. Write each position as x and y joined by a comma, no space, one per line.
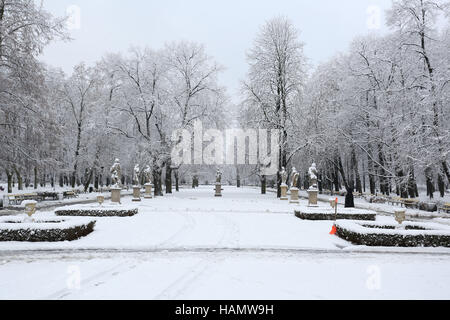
191,245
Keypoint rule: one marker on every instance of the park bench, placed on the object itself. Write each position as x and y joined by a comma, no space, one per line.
445,208
28,197
12,200
70,194
410,203
395,201
16,199
44,195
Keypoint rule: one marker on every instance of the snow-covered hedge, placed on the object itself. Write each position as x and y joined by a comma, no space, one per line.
388,235
329,214
85,212
48,230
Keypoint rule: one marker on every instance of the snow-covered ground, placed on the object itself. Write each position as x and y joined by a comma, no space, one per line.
191,245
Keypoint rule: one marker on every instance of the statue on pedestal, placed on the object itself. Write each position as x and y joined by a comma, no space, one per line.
116,174
295,176
313,191
313,176
148,182
218,177
218,187
148,175
283,174
294,189
136,175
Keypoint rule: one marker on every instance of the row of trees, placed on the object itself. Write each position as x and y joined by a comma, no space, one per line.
68,129
377,115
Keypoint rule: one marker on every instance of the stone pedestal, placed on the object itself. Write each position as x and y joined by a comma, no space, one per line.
400,216
284,189
136,193
115,195
148,191
332,202
30,207
294,195
100,199
218,190
312,197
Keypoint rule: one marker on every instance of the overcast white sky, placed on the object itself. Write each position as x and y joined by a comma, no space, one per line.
226,27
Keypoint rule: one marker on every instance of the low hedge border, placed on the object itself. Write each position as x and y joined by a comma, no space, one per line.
96,213
390,239
47,235
340,216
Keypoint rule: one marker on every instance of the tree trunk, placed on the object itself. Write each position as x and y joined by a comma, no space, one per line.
319,183
446,170
88,179
168,180
177,180
412,185
384,188
278,184
429,179
96,180
349,198
356,172
363,177
238,178
441,185
371,170
157,179
35,185
337,186
9,175
263,185
19,179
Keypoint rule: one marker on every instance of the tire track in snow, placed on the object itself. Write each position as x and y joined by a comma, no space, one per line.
230,235
186,228
97,279
230,231
186,281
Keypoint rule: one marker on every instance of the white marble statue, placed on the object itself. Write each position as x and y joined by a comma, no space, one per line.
218,176
283,174
116,174
136,175
148,175
313,175
295,176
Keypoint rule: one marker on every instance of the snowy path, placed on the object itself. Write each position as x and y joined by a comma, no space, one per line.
225,276
245,245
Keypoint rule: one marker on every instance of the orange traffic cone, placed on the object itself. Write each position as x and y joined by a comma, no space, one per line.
333,230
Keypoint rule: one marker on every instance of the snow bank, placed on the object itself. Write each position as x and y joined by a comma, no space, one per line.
44,229
328,213
410,234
